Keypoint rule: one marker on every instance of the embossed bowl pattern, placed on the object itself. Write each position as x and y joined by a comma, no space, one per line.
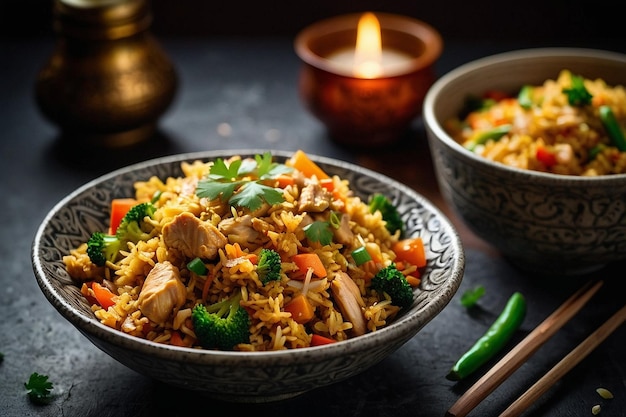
243,376
544,223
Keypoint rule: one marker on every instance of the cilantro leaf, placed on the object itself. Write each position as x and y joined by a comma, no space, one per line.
38,388
239,182
470,297
268,169
264,163
319,231
276,170
247,167
221,170
578,95
252,195
215,189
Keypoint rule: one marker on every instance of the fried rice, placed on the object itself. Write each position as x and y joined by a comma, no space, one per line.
279,227
551,134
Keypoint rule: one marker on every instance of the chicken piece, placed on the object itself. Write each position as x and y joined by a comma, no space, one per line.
193,237
348,298
314,198
239,230
162,293
344,234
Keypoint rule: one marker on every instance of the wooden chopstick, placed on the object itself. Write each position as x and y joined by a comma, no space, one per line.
565,364
522,351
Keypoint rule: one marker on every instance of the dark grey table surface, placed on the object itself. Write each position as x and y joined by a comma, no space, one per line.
251,85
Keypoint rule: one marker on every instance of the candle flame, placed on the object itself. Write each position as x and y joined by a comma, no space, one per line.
368,54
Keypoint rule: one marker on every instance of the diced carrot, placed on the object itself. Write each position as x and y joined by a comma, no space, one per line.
103,295
284,180
300,308
413,280
410,250
328,184
301,161
176,339
119,208
304,261
598,101
253,258
319,340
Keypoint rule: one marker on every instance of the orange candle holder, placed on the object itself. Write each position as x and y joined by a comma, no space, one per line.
367,112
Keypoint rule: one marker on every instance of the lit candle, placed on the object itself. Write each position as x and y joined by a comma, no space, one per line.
368,59
365,75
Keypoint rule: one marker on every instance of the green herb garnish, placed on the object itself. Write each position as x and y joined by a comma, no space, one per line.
577,94
470,297
241,183
39,388
322,231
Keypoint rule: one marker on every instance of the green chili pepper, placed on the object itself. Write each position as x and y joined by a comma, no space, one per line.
493,340
494,134
612,127
525,97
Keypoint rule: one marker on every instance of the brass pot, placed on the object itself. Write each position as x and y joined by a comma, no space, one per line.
108,80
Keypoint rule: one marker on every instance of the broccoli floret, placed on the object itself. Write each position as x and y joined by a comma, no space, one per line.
391,216
222,325
268,267
394,283
130,229
102,247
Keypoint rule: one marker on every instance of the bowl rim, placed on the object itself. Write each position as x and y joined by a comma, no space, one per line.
91,327
439,134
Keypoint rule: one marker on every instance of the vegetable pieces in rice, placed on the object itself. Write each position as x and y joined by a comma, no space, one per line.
241,254
570,126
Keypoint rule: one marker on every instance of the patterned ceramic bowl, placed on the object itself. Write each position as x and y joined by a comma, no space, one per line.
544,223
244,376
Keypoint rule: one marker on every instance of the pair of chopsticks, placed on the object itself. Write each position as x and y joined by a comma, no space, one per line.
529,345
